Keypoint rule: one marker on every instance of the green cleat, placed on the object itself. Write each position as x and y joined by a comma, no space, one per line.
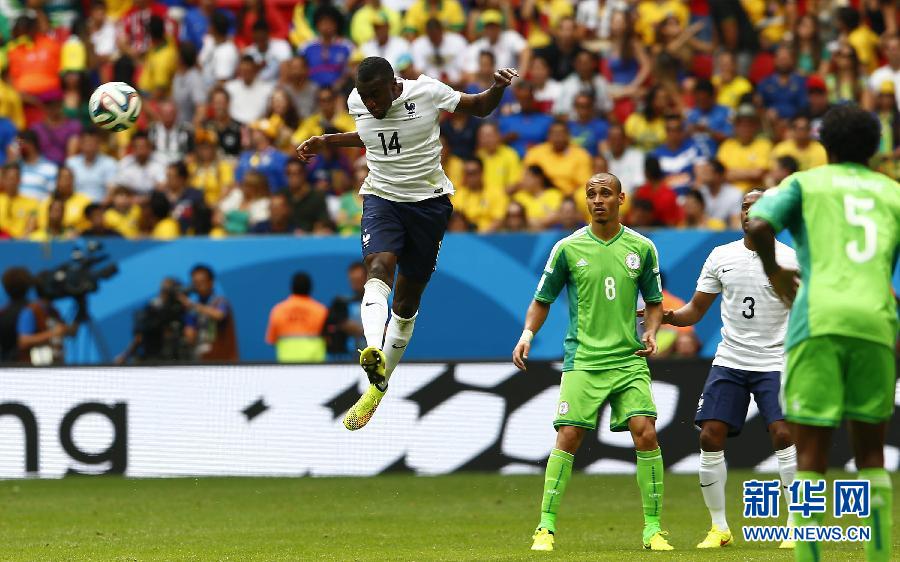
372,360
361,412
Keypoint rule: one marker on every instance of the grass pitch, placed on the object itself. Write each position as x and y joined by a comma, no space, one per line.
393,517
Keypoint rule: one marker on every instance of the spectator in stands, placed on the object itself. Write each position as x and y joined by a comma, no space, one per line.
142,170
666,210
248,92
186,201
383,43
817,93
94,171
363,25
57,135
887,159
439,53
307,204
94,215
890,72
587,128
101,32
51,227
695,213
296,325
562,50
460,130
268,52
642,215
451,163
746,156
246,205
447,11
485,209
502,165
219,55
567,165
809,153
34,61
18,213
196,21
8,132
847,80
343,328
516,218
38,175
624,161
731,85
344,202
264,157
295,81
209,323
330,116
709,122
123,215
507,47
156,221
809,49
721,200
226,129
209,173
784,166
73,203
538,196
784,92
327,54
677,155
280,219
547,91
133,34
674,50
853,31
646,128
171,140
585,80
189,88
627,59
283,117
160,60
650,13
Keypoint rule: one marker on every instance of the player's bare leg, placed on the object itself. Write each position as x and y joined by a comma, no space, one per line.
556,478
786,453
713,476
650,479
868,449
813,444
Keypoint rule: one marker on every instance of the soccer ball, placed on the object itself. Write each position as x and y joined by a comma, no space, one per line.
114,106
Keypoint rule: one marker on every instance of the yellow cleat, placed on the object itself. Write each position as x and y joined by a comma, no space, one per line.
716,538
658,542
361,412
787,544
372,360
543,540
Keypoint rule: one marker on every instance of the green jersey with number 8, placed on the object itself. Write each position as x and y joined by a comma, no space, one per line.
845,221
603,280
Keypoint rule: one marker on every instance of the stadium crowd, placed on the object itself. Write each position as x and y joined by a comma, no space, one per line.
691,103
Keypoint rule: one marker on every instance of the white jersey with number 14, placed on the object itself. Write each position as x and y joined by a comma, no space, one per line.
403,150
754,320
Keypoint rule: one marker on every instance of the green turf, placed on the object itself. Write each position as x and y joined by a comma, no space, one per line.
394,517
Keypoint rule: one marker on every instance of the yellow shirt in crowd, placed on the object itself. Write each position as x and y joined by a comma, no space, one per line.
211,179
16,213
651,12
126,223
735,156
73,212
730,93
865,42
539,208
450,13
453,167
166,229
361,29
11,105
159,68
568,171
312,126
502,169
645,135
483,208
810,157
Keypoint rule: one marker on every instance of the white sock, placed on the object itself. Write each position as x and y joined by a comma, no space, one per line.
713,475
787,469
374,311
396,339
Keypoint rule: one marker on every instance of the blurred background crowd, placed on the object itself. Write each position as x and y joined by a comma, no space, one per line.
690,103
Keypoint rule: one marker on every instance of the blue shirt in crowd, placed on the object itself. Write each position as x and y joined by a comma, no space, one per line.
786,99
269,163
717,119
326,64
587,135
92,179
678,165
532,129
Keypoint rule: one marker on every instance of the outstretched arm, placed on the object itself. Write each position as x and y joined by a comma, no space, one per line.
692,312
314,145
483,104
534,319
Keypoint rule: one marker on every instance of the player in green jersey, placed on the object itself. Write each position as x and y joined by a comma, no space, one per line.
603,265
845,221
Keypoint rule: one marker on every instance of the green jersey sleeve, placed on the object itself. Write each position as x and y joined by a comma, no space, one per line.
556,273
780,207
649,281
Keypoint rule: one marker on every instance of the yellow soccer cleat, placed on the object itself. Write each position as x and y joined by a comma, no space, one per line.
658,542
543,540
716,538
361,412
788,544
372,360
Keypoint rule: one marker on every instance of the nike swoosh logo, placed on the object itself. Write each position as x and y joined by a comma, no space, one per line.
398,346
708,485
370,303
727,270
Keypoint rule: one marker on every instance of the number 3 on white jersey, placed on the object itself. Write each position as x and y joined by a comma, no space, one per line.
852,208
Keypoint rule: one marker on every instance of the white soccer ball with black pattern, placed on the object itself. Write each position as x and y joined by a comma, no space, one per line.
115,106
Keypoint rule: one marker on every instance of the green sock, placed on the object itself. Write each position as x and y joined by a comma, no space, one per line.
559,469
879,519
650,482
808,551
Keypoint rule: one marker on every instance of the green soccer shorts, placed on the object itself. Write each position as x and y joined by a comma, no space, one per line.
832,378
582,393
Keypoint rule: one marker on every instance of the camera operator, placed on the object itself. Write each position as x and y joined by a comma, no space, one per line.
209,325
159,328
30,332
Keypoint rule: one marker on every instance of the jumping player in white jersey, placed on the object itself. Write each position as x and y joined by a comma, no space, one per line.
748,361
406,203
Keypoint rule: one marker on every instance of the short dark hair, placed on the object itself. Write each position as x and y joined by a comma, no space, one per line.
219,22
90,208
260,25
180,168
848,16
202,267
433,23
330,12
140,135
301,284
156,27
789,163
29,136
16,282
696,196
160,205
652,169
248,58
717,165
187,54
374,69
476,160
705,86
850,134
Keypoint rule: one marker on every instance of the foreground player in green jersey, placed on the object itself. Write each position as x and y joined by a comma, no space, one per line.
603,265
845,221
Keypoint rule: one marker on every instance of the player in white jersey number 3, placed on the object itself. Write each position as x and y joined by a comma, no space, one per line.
748,361
406,203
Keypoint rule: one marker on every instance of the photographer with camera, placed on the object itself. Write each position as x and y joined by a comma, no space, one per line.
209,325
159,328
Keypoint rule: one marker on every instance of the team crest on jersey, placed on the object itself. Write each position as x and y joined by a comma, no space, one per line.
563,408
410,107
633,261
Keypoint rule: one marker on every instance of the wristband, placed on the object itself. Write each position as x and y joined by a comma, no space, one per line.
527,336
